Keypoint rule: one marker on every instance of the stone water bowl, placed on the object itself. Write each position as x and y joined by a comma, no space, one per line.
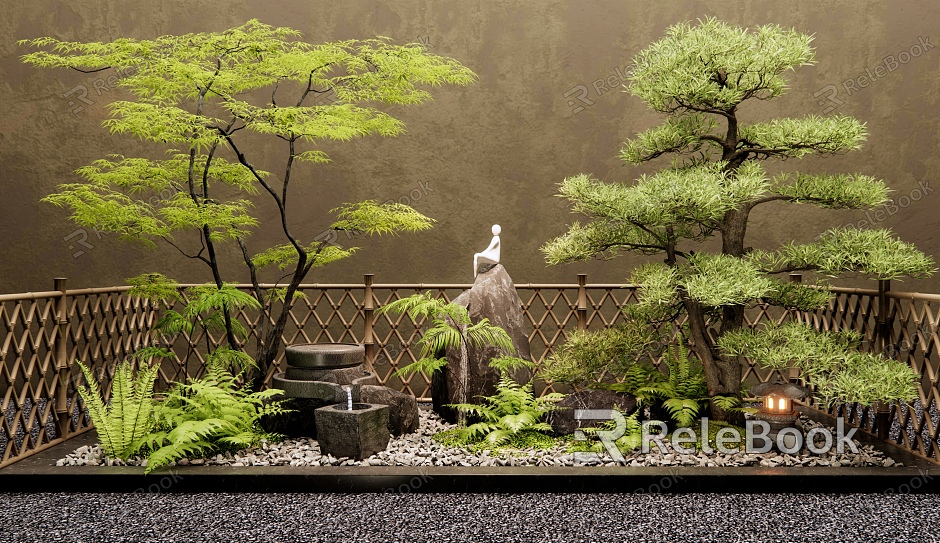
356,433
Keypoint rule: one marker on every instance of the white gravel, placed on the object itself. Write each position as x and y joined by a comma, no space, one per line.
419,449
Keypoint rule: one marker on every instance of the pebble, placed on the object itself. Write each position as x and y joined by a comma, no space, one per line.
419,449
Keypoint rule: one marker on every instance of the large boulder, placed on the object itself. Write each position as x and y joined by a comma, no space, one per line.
402,408
563,421
493,296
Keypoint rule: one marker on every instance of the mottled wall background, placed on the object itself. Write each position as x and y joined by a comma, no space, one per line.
547,105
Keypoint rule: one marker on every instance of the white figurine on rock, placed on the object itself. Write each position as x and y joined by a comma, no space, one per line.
490,255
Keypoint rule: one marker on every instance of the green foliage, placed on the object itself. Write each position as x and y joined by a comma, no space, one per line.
209,415
122,425
829,361
285,256
714,65
792,295
631,439
206,308
155,287
513,415
585,356
851,250
719,280
212,95
371,217
450,328
700,76
833,191
683,391
810,135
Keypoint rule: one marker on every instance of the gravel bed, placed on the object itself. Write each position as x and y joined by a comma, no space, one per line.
419,449
477,518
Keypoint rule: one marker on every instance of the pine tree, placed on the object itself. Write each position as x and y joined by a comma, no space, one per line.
699,76
198,95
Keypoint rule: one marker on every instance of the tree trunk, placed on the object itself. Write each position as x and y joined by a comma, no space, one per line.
267,353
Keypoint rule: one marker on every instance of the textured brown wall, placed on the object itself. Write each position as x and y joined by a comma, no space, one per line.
492,152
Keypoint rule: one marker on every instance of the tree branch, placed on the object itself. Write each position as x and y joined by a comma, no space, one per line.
197,256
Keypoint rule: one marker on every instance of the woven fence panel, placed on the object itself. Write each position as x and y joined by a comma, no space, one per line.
104,326
42,336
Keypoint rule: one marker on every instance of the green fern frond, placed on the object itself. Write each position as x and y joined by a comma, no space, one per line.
122,424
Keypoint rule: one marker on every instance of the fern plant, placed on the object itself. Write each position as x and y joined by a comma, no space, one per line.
451,328
513,416
209,415
123,424
683,391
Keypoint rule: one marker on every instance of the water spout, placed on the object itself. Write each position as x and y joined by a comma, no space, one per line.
348,398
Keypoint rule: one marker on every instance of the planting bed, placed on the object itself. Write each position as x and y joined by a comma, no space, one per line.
421,450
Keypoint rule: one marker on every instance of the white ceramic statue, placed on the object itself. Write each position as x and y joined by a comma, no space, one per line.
490,255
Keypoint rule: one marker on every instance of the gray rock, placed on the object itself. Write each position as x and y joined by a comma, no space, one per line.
562,419
494,297
402,408
357,434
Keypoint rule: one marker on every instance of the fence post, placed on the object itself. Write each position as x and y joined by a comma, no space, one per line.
794,374
582,301
368,307
883,332
61,358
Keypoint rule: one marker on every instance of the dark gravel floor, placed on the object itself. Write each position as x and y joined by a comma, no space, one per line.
444,518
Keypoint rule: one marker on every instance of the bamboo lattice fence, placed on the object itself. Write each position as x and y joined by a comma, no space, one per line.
42,334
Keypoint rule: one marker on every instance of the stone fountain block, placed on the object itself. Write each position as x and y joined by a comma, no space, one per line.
314,390
403,408
358,434
325,355
343,376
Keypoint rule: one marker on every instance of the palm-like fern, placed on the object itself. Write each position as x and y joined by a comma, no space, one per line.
210,308
513,412
208,415
123,424
451,328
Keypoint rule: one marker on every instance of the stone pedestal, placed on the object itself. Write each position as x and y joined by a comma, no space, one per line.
358,434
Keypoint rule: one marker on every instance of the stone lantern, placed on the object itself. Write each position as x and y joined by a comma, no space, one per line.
777,406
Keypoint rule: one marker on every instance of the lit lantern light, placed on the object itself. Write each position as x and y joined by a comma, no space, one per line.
777,407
